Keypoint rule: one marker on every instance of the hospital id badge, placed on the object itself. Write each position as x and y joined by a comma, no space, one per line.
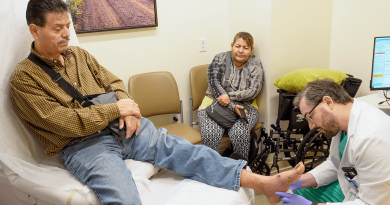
352,195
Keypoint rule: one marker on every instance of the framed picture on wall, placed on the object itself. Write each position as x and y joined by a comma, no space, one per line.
104,15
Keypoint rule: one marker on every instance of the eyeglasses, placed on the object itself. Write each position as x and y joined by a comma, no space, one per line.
308,116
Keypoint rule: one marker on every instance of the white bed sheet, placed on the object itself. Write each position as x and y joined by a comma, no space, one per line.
165,188
170,188
25,190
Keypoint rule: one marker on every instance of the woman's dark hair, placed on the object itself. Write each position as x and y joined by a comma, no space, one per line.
246,36
37,10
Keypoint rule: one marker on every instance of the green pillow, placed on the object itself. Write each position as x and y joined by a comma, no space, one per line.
297,80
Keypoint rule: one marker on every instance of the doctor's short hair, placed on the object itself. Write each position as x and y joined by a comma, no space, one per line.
37,10
316,90
246,36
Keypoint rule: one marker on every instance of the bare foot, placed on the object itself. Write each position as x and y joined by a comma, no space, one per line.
280,182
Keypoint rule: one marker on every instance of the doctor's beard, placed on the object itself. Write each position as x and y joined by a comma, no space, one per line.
330,123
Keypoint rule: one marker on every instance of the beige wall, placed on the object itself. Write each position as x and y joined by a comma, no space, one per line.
354,26
300,38
254,16
172,46
289,35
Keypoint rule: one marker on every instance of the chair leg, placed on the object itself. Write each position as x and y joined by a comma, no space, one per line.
191,111
181,111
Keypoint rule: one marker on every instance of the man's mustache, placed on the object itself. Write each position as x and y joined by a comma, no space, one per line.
64,40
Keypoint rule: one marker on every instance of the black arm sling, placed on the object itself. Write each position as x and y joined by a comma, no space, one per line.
84,101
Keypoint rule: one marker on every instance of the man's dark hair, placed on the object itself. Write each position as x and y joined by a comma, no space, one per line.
37,10
316,90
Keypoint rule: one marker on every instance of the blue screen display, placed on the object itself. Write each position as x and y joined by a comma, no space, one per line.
380,78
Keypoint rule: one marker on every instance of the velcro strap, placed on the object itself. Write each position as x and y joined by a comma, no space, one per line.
71,196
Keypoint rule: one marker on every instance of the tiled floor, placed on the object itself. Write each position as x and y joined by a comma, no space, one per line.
260,199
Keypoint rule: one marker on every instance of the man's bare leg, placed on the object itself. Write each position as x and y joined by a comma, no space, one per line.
268,185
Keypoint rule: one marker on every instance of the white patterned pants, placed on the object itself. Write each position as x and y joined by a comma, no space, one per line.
239,133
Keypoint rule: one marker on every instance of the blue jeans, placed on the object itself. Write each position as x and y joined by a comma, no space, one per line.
97,160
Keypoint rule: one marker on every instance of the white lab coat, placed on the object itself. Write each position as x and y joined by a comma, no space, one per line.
368,150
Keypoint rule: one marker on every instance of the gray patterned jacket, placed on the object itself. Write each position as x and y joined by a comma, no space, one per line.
246,82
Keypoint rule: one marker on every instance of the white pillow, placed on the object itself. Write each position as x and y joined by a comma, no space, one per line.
141,172
141,169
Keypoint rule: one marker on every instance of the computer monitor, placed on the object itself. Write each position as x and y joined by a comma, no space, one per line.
380,75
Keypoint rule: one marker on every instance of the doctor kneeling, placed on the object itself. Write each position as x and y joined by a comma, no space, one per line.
360,149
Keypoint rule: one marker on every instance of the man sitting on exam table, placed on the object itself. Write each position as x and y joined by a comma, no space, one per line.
80,136
359,154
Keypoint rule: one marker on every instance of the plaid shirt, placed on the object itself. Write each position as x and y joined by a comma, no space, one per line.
246,83
50,111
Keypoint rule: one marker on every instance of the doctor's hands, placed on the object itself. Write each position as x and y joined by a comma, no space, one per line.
297,185
292,199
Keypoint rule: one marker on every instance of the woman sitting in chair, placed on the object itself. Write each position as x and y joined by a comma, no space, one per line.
236,92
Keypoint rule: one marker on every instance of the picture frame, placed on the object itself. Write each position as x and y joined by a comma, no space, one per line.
105,15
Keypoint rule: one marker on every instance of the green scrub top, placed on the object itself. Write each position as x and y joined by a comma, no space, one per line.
331,192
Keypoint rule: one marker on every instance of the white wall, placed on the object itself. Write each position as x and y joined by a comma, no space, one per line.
354,26
172,46
254,16
300,38
288,35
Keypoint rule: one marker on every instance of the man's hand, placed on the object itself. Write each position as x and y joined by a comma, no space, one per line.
237,110
128,107
292,199
133,124
224,99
